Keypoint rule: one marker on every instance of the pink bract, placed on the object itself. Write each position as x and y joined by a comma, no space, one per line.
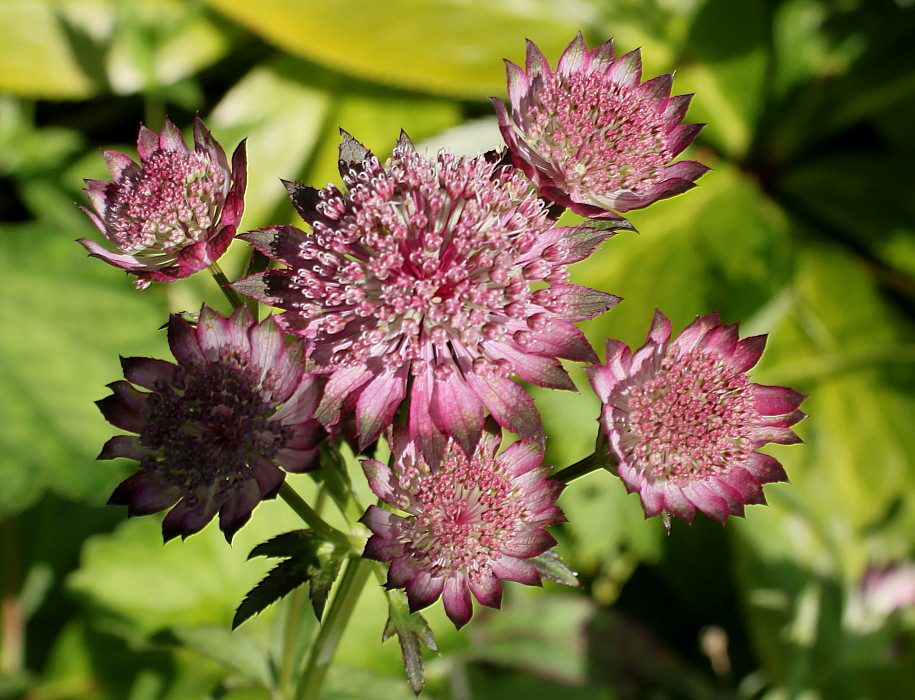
468,524
684,421
590,136
444,275
213,431
175,213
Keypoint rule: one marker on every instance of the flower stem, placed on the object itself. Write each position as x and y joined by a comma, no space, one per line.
585,466
311,517
12,622
234,299
325,644
291,660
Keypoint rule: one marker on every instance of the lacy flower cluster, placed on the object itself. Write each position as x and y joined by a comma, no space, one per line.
409,306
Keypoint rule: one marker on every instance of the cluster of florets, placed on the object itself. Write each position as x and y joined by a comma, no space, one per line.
176,212
416,297
214,431
470,521
443,275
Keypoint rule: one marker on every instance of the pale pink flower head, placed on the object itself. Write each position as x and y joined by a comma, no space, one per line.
684,421
467,524
214,430
889,588
590,136
445,275
173,214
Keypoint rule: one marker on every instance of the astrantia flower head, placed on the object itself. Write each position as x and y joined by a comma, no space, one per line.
467,524
684,421
446,274
590,136
213,430
173,214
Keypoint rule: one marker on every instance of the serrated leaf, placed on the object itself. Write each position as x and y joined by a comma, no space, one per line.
287,544
309,560
284,578
412,632
551,566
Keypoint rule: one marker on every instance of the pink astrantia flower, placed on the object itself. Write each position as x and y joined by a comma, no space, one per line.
590,136
173,214
213,430
443,274
468,523
684,421
888,588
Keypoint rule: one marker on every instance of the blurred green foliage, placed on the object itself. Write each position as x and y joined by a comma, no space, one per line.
804,229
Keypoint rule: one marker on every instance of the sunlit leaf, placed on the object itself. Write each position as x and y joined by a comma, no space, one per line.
58,360
725,65
141,586
36,60
440,46
158,42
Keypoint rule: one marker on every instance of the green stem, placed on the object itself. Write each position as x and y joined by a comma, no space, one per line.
337,483
311,517
325,644
234,299
587,465
290,659
12,621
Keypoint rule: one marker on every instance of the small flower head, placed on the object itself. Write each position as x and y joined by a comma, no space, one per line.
684,421
890,587
444,274
468,524
590,136
173,214
213,430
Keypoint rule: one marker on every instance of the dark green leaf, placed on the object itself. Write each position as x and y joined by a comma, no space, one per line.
551,566
412,632
282,580
287,544
309,559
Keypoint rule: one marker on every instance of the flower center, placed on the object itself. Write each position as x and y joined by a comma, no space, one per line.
691,419
466,513
170,203
598,137
207,424
422,262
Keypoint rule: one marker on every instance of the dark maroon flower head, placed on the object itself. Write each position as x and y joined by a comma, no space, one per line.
444,275
173,214
467,524
213,431
684,421
590,136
